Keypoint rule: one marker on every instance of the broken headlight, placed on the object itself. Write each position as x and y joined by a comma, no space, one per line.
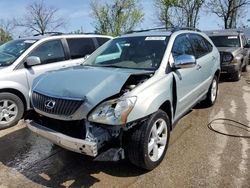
113,112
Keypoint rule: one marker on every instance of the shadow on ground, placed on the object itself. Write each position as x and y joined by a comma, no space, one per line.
48,165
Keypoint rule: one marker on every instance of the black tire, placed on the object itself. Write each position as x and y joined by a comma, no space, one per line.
236,75
244,69
18,110
212,94
137,141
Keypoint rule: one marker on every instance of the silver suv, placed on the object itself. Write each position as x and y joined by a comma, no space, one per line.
22,60
127,96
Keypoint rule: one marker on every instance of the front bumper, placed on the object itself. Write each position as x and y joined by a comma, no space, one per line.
230,68
73,144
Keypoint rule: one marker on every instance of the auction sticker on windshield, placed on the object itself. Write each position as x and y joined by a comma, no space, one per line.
232,37
155,38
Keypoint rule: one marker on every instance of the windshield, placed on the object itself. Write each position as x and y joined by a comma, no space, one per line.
131,52
226,41
10,51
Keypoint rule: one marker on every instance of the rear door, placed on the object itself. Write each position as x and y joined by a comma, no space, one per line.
204,58
188,79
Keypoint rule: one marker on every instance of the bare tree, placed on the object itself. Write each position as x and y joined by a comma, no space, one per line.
41,18
191,10
228,10
119,17
182,13
164,8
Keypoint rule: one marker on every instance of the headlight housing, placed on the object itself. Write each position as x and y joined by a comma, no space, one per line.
227,57
113,112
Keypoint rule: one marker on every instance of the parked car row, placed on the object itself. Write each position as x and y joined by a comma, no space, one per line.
126,97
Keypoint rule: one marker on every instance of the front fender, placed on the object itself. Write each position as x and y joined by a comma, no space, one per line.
5,85
151,97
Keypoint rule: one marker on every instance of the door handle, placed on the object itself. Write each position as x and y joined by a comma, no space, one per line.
198,67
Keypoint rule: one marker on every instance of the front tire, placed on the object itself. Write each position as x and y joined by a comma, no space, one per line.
237,75
11,110
147,143
212,93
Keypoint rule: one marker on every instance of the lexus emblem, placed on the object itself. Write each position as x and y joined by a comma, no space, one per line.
50,104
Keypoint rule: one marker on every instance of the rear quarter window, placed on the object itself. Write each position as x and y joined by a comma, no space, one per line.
80,47
101,40
201,46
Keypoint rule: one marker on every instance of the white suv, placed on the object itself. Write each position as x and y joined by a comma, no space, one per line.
24,59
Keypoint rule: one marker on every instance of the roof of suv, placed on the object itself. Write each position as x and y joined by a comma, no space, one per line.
39,37
160,31
224,33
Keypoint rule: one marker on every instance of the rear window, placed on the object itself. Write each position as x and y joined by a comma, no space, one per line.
80,47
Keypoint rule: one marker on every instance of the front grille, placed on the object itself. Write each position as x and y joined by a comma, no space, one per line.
63,107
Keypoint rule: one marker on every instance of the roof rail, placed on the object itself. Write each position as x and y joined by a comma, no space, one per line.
185,28
49,33
144,30
171,29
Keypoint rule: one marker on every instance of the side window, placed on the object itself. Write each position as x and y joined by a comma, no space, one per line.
209,45
50,52
182,46
80,47
101,41
199,45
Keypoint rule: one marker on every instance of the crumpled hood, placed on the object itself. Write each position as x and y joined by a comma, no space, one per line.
93,84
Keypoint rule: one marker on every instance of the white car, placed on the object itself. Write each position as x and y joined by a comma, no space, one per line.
24,59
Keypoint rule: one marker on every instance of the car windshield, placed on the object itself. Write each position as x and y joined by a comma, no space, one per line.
10,51
131,52
226,41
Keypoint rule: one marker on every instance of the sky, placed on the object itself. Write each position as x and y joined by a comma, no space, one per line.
77,13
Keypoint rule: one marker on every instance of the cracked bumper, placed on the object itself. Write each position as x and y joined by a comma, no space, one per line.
73,144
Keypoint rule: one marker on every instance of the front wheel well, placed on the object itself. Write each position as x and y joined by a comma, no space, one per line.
17,93
166,107
217,74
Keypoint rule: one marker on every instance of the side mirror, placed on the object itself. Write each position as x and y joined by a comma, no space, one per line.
33,60
184,61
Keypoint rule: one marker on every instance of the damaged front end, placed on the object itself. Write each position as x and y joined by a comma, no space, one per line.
84,124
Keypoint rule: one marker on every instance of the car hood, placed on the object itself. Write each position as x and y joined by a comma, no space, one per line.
229,49
92,84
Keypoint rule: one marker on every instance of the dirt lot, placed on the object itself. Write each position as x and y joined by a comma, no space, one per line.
197,156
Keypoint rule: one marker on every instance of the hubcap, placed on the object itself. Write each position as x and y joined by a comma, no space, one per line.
214,90
8,111
157,140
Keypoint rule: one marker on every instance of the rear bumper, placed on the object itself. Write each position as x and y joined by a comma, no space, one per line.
73,144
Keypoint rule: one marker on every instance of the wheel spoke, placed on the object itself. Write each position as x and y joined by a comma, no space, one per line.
155,152
12,106
5,103
7,118
13,113
1,117
162,141
151,145
161,128
154,131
